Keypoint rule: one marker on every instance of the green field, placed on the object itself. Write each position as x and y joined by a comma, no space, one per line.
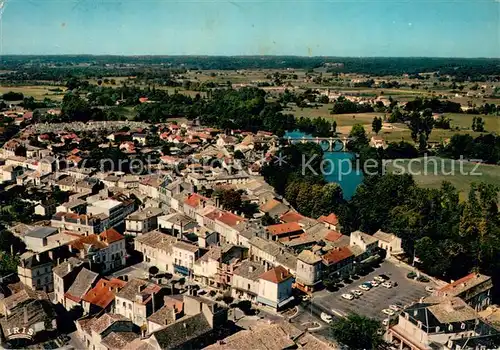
491,122
37,92
440,169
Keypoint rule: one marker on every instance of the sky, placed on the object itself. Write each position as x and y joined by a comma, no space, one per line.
396,28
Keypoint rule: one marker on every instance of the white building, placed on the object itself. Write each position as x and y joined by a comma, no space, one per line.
115,210
275,287
246,280
142,221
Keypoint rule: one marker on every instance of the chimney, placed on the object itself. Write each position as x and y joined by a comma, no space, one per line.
37,257
51,255
69,267
70,248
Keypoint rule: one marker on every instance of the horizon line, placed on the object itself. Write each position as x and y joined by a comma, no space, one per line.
239,56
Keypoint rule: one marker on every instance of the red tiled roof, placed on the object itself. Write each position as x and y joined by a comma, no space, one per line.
225,217
195,200
111,235
276,275
332,236
330,219
230,219
457,283
336,255
104,292
291,216
280,229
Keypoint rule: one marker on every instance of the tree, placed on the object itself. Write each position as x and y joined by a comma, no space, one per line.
377,125
239,155
13,96
358,332
477,124
153,270
358,138
229,199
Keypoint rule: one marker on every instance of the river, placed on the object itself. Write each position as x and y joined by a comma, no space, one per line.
342,172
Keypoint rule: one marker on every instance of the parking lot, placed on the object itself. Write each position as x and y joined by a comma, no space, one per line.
372,302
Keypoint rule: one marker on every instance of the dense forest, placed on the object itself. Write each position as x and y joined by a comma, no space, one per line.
478,69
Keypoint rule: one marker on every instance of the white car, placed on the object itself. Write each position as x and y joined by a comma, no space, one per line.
388,312
325,317
374,283
364,287
356,292
379,279
305,297
394,307
347,296
387,284
385,322
429,289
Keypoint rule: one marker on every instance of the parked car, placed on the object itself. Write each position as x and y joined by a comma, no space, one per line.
365,287
325,317
374,283
394,307
387,284
356,293
429,289
305,297
379,279
388,312
347,296
202,292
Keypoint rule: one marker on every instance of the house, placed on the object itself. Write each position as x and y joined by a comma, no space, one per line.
106,331
138,300
285,232
84,224
115,210
225,141
157,250
245,284
84,280
35,271
170,312
216,267
271,254
184,255
142,221
308,272
30,323
273,208
364,243
389,242
140,138
330,221
201,325
106,250
102,296
474,289
377,142
275,287
441,323
46,208
63,276
338,260
266,335
36,239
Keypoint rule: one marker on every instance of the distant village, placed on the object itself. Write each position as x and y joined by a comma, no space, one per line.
155,260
